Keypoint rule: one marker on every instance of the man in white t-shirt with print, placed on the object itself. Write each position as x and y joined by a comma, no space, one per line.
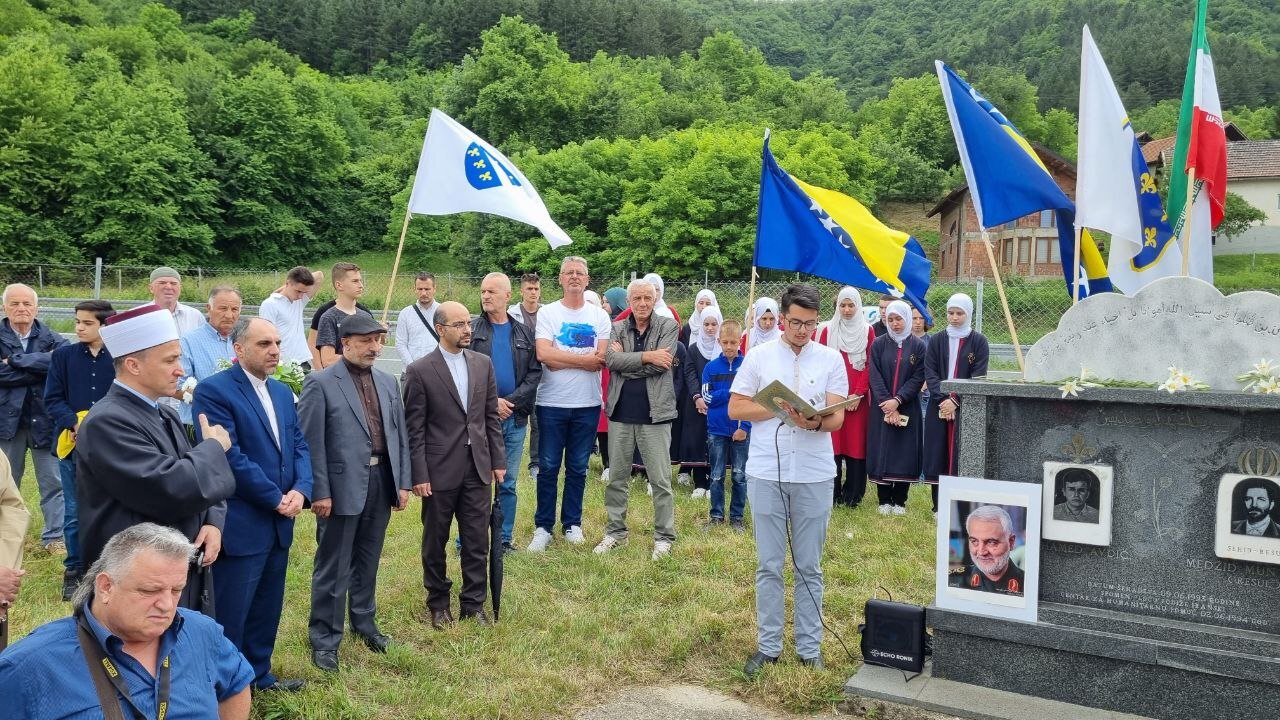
284,310
790,467
572,336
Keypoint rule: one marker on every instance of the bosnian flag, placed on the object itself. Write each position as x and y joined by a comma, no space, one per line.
1115,191
1201,144
459,172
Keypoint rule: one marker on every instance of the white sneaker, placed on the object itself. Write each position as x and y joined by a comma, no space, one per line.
683,478
604,475
700,493
541,539
648,488
899,510
608,543
661,549
886,509
574,536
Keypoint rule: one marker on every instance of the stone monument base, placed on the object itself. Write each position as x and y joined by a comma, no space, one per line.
956,699
1114,660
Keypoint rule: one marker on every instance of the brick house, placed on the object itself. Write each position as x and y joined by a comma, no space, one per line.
1026,247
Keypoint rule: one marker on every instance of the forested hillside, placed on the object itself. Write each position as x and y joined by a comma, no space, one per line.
131,133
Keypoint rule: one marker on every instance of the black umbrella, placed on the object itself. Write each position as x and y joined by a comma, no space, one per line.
495,553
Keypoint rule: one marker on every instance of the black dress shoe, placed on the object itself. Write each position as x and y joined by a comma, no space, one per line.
813,663
376,642
480,616
757,663
326,660
441,619
70,579
284,686
508,548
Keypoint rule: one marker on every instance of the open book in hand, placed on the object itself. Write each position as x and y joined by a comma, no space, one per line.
776,397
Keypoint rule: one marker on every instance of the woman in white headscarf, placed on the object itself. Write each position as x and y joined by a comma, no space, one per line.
660,307
957,353
893,438
704,299
763,321
689,434
849,333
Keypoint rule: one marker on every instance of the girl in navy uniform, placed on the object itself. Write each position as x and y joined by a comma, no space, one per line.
955,353
893,446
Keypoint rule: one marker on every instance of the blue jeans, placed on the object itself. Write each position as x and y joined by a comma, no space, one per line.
566,435
717,447
70,521
513,436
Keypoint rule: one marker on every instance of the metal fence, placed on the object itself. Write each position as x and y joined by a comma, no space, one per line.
1035,306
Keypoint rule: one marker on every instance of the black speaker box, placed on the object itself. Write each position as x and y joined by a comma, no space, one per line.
894,635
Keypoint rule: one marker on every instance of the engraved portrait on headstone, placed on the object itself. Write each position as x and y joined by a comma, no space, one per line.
1247,524
1077,502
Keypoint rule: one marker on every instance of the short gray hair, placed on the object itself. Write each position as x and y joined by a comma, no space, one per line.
574,259
124,547
219,289
4,297
991,513
242,326
639,283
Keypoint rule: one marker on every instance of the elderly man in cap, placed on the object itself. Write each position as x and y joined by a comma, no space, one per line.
134,463
356,484
165,287
26,349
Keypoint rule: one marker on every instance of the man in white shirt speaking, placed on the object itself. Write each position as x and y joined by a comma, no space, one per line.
790,466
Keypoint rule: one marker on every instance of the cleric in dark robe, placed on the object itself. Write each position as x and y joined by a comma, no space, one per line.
956,353
134,463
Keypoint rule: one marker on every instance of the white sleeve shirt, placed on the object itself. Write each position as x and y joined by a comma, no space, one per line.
413,339
264,396
778,451
458,369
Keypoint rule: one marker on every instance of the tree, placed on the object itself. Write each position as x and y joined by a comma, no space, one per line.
1238,215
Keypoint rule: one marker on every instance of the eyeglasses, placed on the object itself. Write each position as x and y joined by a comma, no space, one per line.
458,325
796,324
574,273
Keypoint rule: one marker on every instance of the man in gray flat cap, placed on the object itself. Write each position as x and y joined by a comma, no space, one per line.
165,287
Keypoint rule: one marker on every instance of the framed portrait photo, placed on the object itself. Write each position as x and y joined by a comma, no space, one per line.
1248,519
988,547
1077,503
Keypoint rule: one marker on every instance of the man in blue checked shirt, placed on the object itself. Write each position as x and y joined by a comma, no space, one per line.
79,375
169,662
208,345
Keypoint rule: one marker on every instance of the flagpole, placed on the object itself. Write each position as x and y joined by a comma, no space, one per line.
751,316
1004,301
1187,212
395,266
1075,288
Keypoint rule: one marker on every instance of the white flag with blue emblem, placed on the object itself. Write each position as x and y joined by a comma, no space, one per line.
459,172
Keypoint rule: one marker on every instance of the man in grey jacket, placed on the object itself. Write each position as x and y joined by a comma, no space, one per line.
641,407
353,419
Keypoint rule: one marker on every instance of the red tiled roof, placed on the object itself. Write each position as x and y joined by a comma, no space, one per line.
1161,149
1253,159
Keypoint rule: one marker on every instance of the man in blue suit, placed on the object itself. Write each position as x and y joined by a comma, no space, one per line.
272,466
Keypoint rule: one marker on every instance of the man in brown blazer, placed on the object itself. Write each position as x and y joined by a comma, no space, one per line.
458,455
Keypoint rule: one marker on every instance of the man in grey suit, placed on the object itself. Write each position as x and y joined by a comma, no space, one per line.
455,436
354,424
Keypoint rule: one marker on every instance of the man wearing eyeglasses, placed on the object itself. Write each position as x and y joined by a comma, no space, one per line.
571,339
790,466
458,455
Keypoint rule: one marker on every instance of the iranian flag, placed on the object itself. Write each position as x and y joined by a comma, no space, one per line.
1201,147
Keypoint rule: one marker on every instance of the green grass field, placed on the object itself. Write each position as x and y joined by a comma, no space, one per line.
575,627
